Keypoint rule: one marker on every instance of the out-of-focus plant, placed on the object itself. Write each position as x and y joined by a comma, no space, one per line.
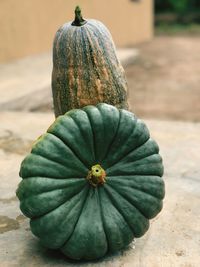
177,6
180,6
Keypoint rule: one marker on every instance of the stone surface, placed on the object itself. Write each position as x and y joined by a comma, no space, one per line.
174,236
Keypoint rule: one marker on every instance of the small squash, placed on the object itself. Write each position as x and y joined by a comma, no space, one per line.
86,70
92,182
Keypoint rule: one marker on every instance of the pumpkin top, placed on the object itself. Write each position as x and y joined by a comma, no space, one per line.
92,182
78,21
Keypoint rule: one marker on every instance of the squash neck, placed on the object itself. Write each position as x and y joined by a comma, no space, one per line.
78,21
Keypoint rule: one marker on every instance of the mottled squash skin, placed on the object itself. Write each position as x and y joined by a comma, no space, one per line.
86,70
84,214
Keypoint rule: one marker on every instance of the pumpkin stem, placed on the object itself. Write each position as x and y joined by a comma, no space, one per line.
78,21
96,176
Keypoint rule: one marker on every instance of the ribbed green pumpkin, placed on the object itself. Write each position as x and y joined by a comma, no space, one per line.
92,182
86,70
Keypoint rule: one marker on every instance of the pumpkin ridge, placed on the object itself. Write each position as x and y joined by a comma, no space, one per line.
98,131
108,187
108,61
82,133
93,135
109,70
102,217
84,201
74,91
135,202
38,164
67,144
53,143
111,142
122,179
113,184
93,66
156,169
76,197
48,158
53,208
112,77
110,191
137,162
133,152
110,197
86,76
47,189
132,136
98,75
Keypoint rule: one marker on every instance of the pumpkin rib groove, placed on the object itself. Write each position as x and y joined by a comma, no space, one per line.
47,189
67,203
132,152
111,142
91,40
87,167
102,218
114,204
139,170
107,59
130,149
83,134
109,200
98,129
137,162
74,91
117,197
109,70
49,159
134,188
116,80
91,54
89,189
83,202
36,217
121,181
77,158
93,135
134,202
40,162
83,245
92,64
85,61
29,177
129,202
123,198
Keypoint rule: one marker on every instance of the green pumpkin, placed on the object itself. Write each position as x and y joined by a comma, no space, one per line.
86,70
92,182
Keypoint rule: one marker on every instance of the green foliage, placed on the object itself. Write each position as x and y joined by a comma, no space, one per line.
180,6
177,6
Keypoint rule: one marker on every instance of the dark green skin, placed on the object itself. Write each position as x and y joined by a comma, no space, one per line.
69,213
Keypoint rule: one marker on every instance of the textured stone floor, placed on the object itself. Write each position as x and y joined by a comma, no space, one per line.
174,235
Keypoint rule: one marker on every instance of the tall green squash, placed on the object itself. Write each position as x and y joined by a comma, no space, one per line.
86,70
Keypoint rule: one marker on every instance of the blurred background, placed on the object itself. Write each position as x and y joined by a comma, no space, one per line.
158,44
